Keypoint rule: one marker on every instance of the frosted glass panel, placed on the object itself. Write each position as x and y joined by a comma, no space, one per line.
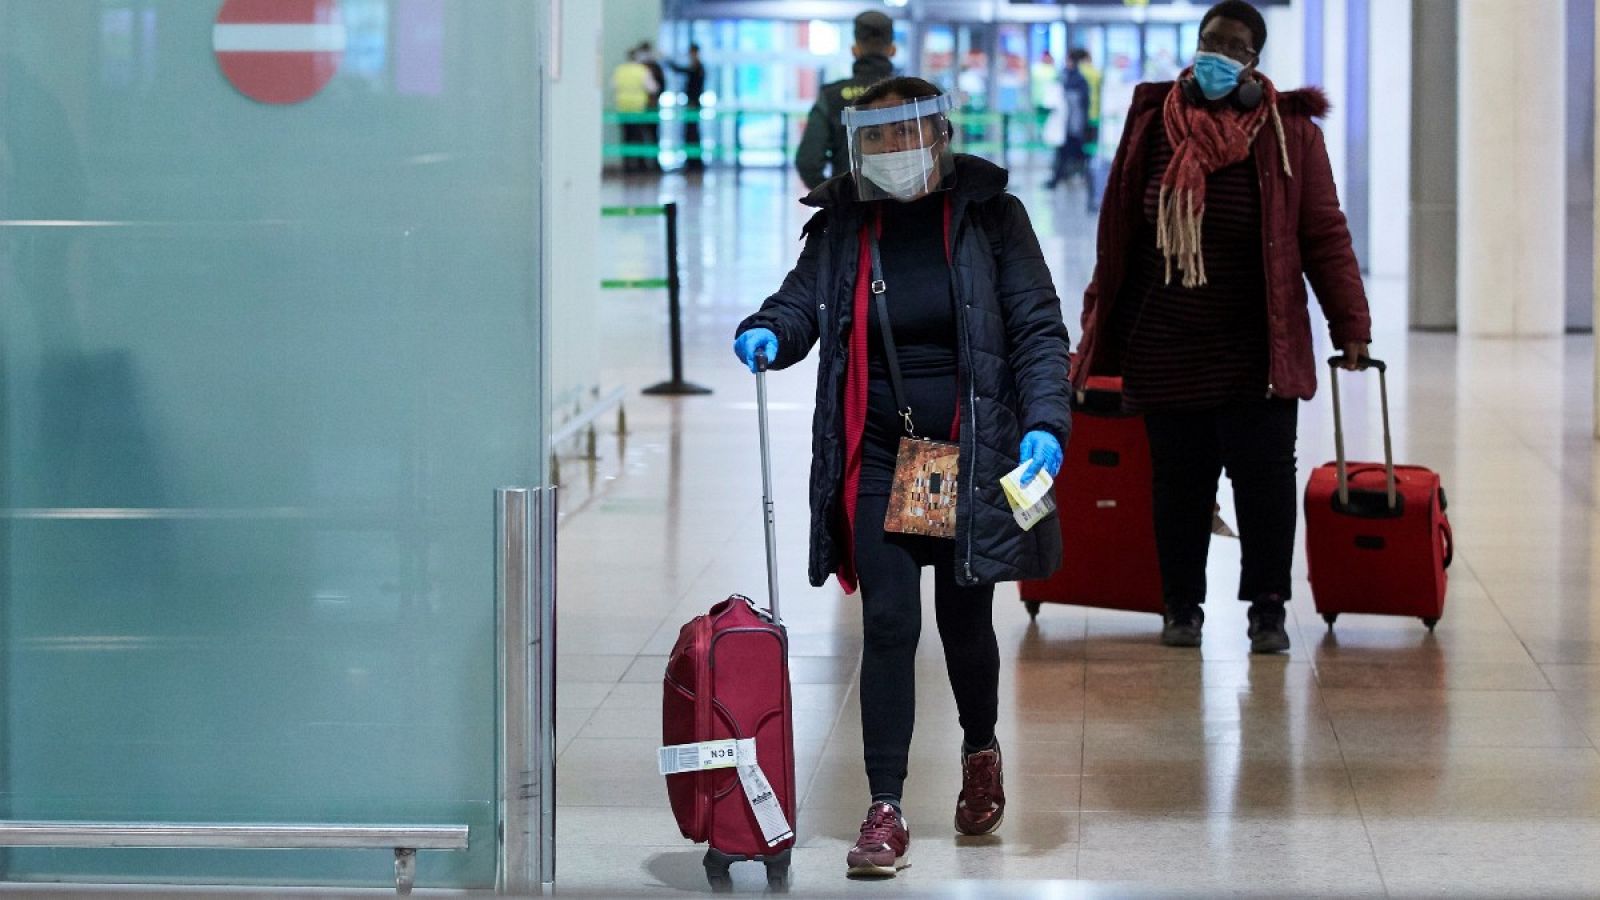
261,370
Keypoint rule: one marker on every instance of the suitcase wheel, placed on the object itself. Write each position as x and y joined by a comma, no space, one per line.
1430,622
717,871
778,873
1032,606
1330,618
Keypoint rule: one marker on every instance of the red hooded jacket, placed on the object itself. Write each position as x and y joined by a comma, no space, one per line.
1303,235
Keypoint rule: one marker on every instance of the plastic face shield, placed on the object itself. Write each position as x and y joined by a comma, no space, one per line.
900,152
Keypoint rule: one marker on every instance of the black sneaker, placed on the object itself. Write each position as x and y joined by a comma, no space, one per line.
1267,634
1181,627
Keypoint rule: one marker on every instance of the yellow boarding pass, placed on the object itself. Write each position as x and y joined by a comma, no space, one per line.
1031,503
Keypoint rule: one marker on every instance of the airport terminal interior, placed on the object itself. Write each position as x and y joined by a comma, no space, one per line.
281,352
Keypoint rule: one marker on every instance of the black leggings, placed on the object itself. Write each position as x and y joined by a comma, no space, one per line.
890,570
1254,441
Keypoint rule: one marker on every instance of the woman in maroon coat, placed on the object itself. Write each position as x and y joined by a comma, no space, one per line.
1220,199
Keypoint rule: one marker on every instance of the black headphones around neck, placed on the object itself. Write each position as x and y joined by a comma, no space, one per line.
1246,96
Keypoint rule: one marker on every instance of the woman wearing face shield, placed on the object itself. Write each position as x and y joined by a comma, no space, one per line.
1219,200
976,329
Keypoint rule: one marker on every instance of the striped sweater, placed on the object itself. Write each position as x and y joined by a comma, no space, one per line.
1201,347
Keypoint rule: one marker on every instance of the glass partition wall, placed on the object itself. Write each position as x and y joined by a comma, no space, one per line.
262,369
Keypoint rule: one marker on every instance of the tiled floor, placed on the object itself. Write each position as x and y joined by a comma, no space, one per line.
1376,759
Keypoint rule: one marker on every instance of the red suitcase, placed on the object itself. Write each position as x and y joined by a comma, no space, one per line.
728,680
1108,530
1377,538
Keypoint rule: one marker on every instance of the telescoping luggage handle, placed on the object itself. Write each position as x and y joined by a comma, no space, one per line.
766,484
1338,426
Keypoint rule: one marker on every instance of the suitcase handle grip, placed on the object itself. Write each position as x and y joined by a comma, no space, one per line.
1448,535
1338,426
1362,364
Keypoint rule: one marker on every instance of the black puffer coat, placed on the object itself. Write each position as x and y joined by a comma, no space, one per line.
1012,347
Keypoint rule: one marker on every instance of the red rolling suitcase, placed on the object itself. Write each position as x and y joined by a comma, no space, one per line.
727,723
1108,530
1377,538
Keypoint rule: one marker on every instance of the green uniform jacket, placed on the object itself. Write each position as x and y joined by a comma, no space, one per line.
823,142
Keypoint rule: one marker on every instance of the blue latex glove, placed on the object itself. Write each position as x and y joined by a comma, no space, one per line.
1040,450
746,345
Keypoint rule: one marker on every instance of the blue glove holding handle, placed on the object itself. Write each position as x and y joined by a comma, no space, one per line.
1040,450
747,344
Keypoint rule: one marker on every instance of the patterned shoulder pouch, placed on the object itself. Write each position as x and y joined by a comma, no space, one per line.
922,497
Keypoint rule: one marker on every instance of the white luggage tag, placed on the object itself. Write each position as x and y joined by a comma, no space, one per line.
728,754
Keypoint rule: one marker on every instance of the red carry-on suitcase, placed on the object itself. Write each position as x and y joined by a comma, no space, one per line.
1377,539
727,684
1108,531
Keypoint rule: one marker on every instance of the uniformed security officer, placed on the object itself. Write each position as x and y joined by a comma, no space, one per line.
824,149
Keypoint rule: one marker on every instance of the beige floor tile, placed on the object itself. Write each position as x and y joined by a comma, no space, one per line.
580,828
586,694
1293,834
1229,781
1493,874
592,667
1482,837
1260,673
1440,674
1302,871
1427,721
617,772
1579,679
1157,752
1107,737
1487,783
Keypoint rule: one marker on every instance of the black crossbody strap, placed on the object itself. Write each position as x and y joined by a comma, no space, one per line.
880,295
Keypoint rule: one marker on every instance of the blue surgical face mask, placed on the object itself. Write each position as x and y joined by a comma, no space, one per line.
1216,74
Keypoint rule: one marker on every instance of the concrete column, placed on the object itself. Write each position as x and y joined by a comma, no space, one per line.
1390,142
1511,229
1580,164
1432,252
1596,298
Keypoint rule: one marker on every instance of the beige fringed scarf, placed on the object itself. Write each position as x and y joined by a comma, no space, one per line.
1204,139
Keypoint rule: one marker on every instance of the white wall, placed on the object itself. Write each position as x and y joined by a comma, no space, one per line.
1335,63
1388,253
1284,59
1511,263
572,129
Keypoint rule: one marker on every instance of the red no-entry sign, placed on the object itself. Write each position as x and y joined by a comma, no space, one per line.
279,51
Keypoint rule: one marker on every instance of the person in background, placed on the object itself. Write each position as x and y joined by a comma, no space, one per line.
1042,77
658,77
1084,63
631,89
1220,204
1068,127
694,84
1092,170
823,151
963,290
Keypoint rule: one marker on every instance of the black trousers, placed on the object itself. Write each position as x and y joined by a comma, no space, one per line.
1254,442
890,570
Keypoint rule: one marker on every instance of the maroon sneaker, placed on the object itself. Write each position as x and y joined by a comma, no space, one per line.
884,844
982,804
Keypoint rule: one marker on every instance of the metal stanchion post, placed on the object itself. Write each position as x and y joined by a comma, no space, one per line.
677,386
